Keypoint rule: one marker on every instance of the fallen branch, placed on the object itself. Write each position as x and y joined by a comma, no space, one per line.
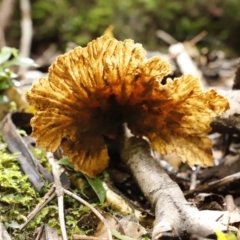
173,213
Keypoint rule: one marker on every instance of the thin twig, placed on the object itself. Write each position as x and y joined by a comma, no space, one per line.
194,179
40,232
60,194
166,37
170,40
93,210
213,185
196,39
46,199
61,216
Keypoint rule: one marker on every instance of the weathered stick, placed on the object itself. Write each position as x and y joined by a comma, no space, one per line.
173,213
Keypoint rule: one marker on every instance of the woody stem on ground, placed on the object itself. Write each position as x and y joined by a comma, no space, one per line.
173,214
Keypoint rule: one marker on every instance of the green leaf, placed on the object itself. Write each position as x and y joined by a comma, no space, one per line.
145,238
5,75
65,162
223,236
22,132
3,98
5,84
97,186
116,234
5,54
13,225
26,62
20,61
14,52
8,198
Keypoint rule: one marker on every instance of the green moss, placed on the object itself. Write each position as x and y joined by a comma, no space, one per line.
16,193
18,198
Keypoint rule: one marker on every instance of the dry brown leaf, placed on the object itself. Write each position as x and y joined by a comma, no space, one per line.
90,92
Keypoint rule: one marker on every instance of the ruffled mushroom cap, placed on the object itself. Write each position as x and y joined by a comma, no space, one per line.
90,92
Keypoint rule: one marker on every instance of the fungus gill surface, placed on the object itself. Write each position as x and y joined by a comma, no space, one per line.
90,92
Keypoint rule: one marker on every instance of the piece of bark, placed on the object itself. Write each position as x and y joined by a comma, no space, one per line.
3,233
48,233
173,213
28,163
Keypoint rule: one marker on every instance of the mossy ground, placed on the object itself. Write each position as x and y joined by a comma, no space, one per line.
18,198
